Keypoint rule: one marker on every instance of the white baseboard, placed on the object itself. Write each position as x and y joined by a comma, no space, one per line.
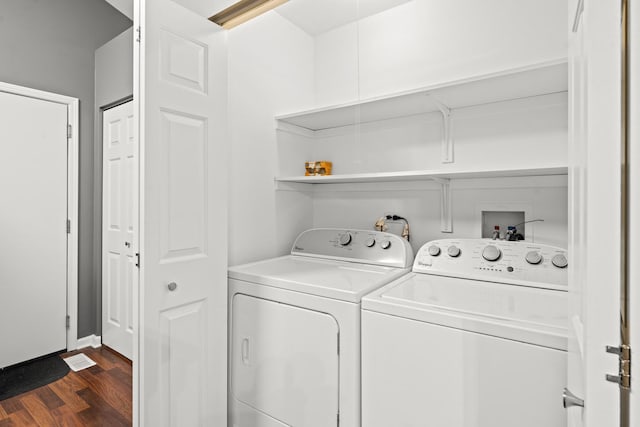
94,341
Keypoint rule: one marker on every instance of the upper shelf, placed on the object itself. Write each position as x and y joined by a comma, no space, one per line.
540,79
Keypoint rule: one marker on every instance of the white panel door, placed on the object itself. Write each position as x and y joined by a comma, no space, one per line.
577,208
594,200
284,363
119,167
181,89
33,235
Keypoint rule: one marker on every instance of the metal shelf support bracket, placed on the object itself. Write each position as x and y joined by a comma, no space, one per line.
446,224
447,140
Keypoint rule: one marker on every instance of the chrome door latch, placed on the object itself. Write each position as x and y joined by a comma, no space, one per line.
569,399
624,366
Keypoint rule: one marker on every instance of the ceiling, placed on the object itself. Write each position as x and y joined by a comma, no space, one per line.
123,6
312,16
318,16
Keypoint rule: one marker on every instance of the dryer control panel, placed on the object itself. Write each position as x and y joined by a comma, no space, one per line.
519,263
363,246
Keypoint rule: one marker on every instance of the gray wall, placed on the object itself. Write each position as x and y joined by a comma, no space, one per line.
114,83
49,45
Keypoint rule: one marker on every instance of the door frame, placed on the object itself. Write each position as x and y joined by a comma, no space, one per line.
72,197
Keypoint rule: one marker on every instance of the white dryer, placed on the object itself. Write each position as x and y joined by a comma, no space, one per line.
294,328
475,336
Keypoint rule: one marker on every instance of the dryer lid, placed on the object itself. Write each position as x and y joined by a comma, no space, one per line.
527,314
347,281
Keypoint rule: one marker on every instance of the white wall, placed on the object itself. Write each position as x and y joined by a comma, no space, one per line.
275,69
49,45
270,69
359,207
423,42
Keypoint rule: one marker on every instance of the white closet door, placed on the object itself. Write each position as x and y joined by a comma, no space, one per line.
578,212
118,262
33,235
183,213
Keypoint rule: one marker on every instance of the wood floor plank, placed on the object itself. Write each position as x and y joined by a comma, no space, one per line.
66,417
67,393
123,377
22,418
3,413
114,357
11,405
100,412
49,397
74,381
102,385
38,410
7,423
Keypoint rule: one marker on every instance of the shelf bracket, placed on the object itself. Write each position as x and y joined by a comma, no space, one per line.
447,140
446,224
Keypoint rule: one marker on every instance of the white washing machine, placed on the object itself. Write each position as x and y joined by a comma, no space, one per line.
475,336
294,329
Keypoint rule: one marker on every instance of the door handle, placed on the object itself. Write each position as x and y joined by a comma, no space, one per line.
127,244
569,399
244,351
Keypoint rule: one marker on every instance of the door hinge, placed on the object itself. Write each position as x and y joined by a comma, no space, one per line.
338,419
68,321
139,34
68,226
69,131
338,343
138,259
624,366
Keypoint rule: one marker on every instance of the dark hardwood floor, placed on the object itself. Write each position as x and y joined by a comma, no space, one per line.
96,396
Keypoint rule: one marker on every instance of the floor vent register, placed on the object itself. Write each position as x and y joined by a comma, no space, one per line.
79,362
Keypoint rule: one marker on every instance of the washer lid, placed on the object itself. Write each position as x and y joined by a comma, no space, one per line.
533,315
340,280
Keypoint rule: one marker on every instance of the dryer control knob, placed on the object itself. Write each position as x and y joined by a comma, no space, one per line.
560,261
533,257
370,242
345,239
434,250
453,251
491,253
385,244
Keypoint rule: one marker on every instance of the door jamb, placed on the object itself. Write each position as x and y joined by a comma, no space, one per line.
72,197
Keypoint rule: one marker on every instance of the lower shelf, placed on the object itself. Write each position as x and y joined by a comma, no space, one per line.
423,175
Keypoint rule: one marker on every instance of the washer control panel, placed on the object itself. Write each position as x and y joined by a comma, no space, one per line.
522,263
365,246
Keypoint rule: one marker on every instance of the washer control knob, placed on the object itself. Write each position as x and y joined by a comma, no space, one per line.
370,242
560,261
533,257
434,250
345,239
385,244
453,251
491,253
